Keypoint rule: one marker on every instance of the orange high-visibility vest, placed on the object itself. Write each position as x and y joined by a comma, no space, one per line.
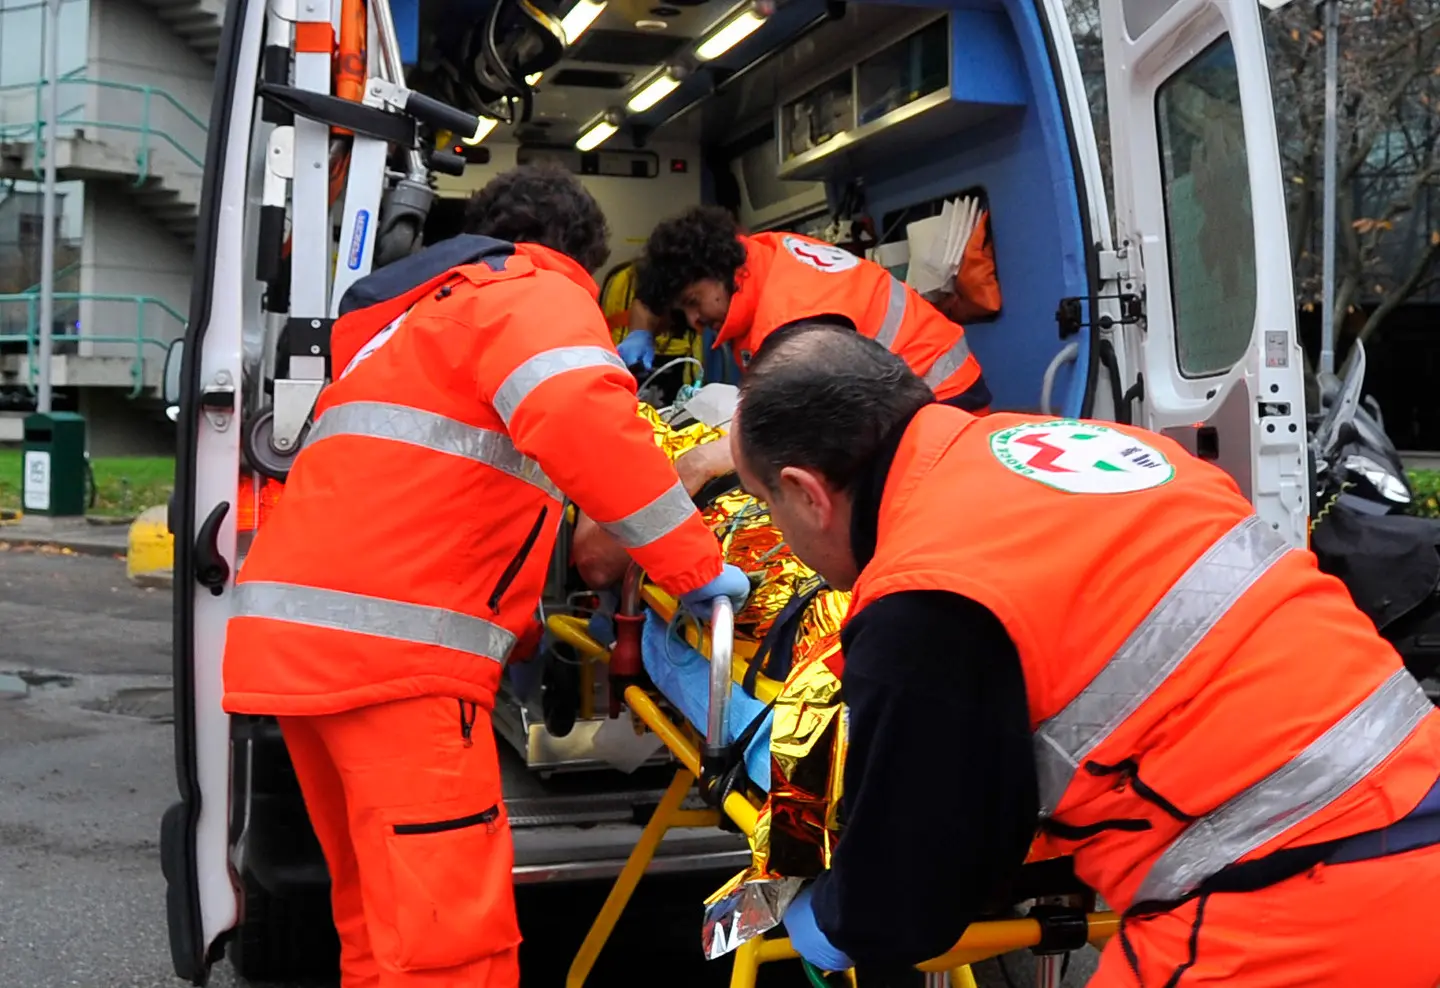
1199,692
412,543
788,277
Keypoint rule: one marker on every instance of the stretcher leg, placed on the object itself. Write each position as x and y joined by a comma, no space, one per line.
666,815
746,964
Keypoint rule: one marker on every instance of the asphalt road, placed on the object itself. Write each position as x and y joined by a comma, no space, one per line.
86,769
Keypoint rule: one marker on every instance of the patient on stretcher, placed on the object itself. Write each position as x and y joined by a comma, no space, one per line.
793,617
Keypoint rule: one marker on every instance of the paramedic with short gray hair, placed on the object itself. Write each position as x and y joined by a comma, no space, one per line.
1079,628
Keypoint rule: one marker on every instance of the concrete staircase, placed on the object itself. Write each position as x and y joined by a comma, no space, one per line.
174,202
196,22
171,196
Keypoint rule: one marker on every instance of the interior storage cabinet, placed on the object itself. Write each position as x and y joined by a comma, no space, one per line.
954,72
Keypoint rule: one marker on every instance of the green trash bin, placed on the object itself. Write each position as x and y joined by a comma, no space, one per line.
54,465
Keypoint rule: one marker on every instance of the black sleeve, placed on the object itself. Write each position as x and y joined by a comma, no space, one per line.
941,798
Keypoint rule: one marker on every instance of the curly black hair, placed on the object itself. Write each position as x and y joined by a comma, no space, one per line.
697,245
542,204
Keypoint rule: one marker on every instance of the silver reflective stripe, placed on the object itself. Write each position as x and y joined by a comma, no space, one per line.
950,361
654,521
894,314
1172,629
1309,782
401,423
373,616
543,366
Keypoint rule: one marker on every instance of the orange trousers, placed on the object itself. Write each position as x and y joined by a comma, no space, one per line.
405,799
1364,923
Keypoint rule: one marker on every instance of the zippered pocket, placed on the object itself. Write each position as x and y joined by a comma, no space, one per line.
487,817
452,899
512,569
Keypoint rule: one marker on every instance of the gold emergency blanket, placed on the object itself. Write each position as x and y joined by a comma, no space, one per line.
797,825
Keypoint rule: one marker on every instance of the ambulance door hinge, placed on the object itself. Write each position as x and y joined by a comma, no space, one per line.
217,401
1115,265
1071,316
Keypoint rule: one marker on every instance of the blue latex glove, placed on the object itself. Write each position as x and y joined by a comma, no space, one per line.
638,347
732,582
807,939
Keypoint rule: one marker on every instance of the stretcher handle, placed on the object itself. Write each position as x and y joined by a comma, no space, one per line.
441,116
722,656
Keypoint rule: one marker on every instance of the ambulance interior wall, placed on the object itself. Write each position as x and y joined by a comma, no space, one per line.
632,205
1022,159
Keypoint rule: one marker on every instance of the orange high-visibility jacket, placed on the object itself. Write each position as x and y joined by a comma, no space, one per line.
1199,692
474,382
787,277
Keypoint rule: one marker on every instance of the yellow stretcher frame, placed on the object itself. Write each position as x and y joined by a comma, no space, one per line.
981,941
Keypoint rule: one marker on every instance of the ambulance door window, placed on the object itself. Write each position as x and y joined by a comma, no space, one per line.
1202,243
1209,226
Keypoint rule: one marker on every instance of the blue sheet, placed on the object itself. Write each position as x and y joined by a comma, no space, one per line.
683,675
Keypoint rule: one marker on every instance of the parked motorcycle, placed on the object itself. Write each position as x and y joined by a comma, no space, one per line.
1390,561
1356,459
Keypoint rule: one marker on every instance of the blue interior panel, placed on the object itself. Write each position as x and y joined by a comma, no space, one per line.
406,14
1023,161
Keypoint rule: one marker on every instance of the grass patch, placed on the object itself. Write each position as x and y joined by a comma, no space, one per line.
126,485
1427,493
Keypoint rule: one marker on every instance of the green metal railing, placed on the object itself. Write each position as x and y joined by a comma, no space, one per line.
140,340
60,275
149,135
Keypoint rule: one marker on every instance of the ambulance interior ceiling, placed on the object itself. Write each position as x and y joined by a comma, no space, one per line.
1001,131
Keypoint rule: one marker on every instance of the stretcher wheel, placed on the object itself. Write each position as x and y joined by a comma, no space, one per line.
560,693
257,442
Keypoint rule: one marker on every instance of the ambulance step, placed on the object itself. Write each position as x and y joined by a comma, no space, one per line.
573,854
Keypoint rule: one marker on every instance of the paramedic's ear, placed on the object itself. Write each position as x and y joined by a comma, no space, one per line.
806,492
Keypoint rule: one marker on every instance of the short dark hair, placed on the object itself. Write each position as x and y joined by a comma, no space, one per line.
699,244
820,395
542,204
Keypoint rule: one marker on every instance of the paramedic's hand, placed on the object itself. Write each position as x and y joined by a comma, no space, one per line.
638,348
807,939
732,582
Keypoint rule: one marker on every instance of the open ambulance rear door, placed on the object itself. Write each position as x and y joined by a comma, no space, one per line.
201,898
1202,242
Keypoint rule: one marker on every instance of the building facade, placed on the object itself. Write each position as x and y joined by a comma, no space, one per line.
134,97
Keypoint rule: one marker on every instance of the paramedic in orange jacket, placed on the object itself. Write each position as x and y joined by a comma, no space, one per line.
748,286
474,382
1082,626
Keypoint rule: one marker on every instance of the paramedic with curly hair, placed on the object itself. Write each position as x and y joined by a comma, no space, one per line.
746,286
474,385
1080,628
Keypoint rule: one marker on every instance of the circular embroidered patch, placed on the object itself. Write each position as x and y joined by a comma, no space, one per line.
1081,457
821,257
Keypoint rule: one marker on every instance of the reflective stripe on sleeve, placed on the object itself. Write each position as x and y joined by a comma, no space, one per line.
948,363
895,307
402,423
542,367
359,614
654,521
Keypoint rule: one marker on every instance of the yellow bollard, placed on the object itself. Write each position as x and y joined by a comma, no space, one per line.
150,554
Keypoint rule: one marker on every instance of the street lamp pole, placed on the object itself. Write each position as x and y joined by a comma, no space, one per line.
1327,300
47,236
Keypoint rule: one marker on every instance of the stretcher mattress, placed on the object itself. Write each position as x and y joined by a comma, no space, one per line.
682,674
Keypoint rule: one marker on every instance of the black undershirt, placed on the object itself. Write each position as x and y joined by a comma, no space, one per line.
941,798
